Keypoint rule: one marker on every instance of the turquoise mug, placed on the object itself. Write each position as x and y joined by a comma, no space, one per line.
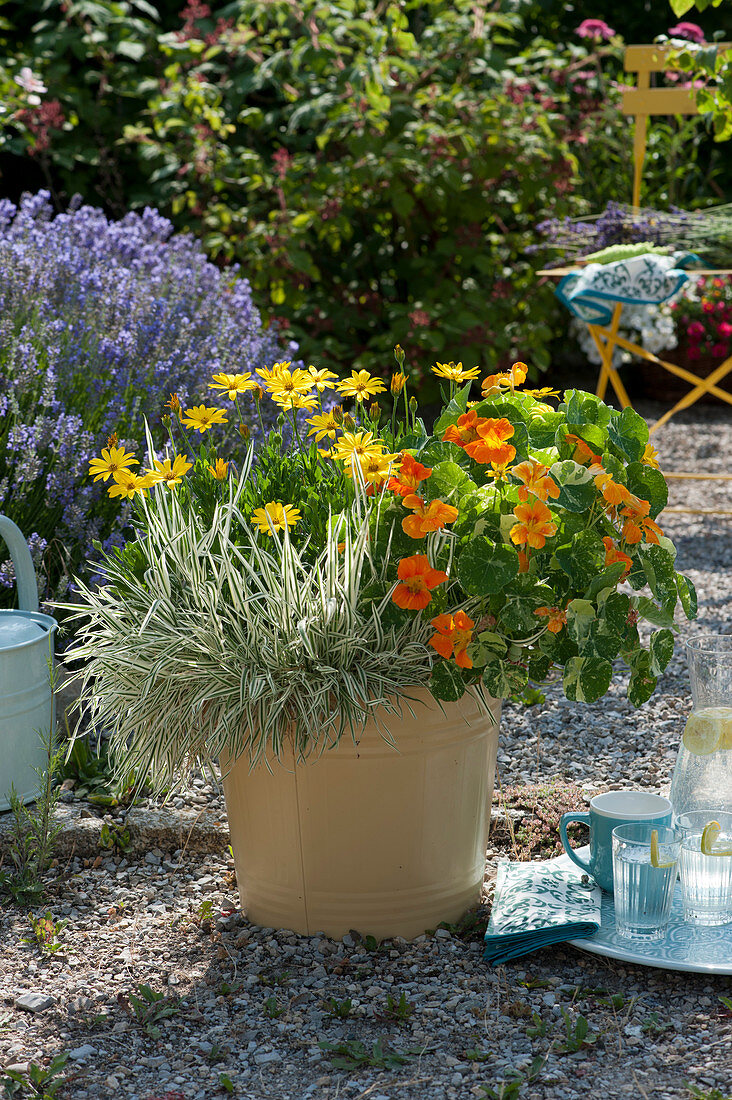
606,812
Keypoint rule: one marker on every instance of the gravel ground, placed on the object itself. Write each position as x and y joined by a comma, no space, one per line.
244,1009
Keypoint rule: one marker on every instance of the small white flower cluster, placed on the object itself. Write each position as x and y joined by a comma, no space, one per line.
652,327
31,84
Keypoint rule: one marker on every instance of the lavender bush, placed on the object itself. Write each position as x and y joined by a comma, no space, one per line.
97,320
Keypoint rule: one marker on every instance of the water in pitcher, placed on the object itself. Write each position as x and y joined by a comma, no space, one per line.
703,774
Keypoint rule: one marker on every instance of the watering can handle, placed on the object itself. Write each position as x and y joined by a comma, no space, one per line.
25,574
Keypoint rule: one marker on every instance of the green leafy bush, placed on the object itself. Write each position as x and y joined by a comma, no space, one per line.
378,168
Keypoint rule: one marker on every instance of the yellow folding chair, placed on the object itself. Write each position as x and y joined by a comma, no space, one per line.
642,103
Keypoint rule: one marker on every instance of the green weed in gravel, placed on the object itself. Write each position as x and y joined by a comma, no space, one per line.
46,933
148,1008
37,1082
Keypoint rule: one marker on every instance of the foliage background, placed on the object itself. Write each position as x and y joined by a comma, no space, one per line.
377,168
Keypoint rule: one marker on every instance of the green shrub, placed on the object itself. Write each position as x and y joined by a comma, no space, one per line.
378,168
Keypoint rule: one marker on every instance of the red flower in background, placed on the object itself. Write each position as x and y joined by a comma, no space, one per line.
595,28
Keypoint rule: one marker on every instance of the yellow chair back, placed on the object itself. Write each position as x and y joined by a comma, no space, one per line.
644,101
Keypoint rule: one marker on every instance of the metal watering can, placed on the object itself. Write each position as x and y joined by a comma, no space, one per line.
26,699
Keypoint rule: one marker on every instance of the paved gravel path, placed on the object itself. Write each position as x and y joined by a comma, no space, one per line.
249,1007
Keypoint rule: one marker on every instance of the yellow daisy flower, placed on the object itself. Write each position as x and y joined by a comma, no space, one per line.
321,378
650,457
356,445
323,425
169,472
275,517
220,470
545,391
360,385
270,375
288,383
203,417
374,467
127,484
112,461
233,384
455,372
287,402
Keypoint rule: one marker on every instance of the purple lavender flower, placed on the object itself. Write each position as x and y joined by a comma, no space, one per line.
100,321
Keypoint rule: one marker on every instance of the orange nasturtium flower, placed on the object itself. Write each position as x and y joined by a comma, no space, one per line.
534,525
417,579
613,492
491,445
612,554
535,480
494,383
638,524
556,616
465,431
453,637
408,475
428,518
583,453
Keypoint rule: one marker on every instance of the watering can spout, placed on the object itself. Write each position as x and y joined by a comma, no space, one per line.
25,574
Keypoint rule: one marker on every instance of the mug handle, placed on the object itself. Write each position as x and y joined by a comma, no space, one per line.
564,821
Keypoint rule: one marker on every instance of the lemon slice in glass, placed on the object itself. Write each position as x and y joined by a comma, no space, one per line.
655,857
705,728
709,838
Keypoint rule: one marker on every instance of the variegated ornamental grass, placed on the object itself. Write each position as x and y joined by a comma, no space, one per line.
227,643
295,594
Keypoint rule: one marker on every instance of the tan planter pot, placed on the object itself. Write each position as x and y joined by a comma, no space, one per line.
385,841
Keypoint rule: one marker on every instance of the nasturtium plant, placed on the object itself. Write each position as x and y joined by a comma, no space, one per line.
294,595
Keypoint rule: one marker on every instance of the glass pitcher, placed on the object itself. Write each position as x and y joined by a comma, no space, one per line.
702,777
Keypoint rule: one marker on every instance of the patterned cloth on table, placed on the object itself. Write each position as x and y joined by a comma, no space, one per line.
592,293
537,904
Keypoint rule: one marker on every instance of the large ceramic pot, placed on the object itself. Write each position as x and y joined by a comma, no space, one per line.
387,841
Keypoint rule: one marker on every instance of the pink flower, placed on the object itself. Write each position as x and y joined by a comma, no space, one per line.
708,306
595,28
720,350
695,330
693,352
724,330
689,31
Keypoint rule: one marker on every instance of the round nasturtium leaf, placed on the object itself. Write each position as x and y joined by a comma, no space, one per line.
485,568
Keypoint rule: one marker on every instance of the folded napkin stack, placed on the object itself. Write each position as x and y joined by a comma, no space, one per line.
537,904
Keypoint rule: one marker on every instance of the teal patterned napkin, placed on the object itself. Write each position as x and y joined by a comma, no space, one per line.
592,293
537,904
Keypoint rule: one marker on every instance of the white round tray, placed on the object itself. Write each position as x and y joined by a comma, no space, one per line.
684,947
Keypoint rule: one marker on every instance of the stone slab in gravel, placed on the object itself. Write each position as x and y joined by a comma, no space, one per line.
150,826
33,1002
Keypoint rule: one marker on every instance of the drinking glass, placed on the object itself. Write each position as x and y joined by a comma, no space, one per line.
706,880
644,887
